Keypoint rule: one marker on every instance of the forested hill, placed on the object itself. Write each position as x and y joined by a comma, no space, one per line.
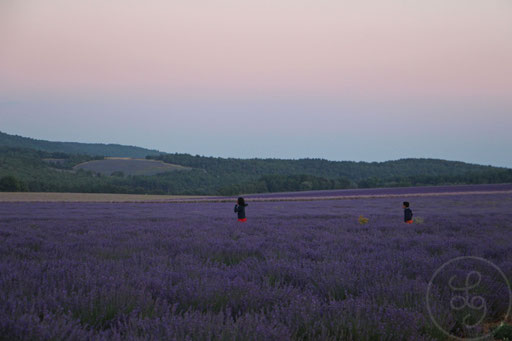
117,150
233,176
354,171
34,165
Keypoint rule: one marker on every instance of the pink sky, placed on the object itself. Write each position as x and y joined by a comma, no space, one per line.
359,48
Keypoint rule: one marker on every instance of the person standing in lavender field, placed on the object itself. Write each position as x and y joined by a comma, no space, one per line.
240,209
407,213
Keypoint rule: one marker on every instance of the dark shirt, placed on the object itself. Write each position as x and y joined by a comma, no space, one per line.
407,214
241,211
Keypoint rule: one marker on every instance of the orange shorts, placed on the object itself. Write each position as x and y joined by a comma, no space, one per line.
409,221
242,220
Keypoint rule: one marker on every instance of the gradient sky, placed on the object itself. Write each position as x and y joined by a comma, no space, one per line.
367,80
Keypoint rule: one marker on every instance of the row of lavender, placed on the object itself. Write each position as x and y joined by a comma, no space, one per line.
296,270
390,191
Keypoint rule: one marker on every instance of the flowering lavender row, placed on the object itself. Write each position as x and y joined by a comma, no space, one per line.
295,270
389,191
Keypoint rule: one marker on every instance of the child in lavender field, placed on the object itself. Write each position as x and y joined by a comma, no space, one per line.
407,213
240,209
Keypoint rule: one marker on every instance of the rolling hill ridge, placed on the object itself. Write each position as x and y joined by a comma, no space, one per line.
93,149
36,165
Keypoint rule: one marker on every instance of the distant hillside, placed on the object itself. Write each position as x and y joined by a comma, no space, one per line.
23,169
273,175
354,171
36,170
99,149
128,166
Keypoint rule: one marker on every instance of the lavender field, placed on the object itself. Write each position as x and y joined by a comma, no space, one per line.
295,271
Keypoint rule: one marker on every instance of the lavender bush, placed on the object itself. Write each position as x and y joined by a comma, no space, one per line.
296,270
